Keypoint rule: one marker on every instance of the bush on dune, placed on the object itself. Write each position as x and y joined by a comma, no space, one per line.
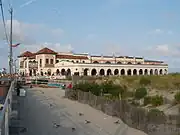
163,82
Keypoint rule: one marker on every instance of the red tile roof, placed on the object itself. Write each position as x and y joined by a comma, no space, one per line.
71,57
46,51
32,57
26,54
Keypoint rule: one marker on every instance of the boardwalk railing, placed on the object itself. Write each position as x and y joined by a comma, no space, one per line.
6,112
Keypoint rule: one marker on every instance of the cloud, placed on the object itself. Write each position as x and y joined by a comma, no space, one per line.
27,3
28,33
163,50
36,47
160,31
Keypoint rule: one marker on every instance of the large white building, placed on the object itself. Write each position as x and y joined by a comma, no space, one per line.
49,62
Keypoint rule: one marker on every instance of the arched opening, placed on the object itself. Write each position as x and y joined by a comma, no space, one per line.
95,62
140,72
139,63
165,71
156,72
57,72
151,72
129,72
49,72
76,73
129,63
119,62
109,72
134,72
160,71
122,72
63,71
146,72
69,72
93,72
108,62
85,71
116,72
102,72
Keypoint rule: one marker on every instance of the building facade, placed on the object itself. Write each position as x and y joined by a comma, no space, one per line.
49,62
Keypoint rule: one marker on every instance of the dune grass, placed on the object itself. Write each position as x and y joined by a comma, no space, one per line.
164,82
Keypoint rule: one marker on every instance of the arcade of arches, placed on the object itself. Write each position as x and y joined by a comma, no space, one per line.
63,72
107,72
103,72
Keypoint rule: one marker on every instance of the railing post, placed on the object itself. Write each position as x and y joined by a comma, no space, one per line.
6,121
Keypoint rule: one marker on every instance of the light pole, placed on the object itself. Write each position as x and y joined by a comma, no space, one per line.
15,66
10,46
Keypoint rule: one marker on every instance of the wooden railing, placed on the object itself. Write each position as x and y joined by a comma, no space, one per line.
6,112
49,65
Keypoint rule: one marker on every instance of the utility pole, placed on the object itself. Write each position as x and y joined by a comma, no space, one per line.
10,46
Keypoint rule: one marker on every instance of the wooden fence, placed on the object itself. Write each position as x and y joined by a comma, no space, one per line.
148,121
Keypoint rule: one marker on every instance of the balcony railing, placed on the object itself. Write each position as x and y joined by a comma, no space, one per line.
33,65
6,112
49,65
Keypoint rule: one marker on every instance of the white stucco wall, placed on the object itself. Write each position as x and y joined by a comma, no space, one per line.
80,66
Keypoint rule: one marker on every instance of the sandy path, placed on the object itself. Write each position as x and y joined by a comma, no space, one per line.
51,105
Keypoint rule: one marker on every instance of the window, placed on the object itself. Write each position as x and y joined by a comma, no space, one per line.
83,61
21,64
47,61
25,64
52,62
40,63
57,61
77,61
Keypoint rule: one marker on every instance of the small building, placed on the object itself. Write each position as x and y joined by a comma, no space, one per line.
49,62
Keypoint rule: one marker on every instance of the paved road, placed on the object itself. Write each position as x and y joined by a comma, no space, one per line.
43,109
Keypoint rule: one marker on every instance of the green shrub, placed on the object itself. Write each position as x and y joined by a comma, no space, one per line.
157,100
95,89
140,93
177,97
109,87
147,100
82,86
86,87
144,81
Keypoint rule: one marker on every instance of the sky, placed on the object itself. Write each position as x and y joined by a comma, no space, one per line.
147,28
